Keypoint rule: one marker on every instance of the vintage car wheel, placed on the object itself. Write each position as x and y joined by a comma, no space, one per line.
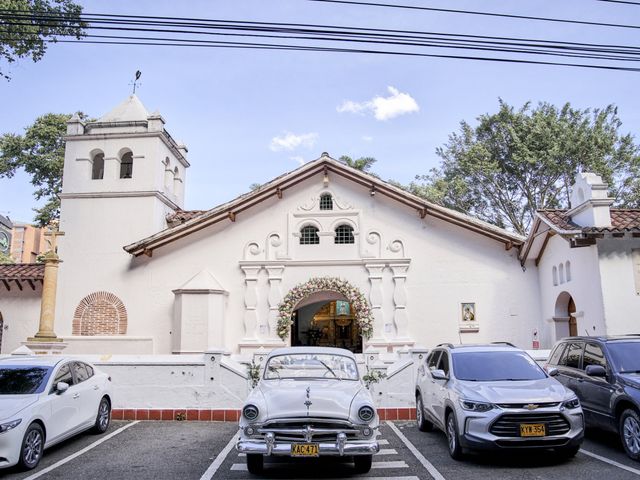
424,425
630,433
103,418
255,462
363,463
453,440
32,447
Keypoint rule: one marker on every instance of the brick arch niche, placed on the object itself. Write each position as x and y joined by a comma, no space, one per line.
100,313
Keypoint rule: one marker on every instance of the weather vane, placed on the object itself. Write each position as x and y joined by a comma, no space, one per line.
135,83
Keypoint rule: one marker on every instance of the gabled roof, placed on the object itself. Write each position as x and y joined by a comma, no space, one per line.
130,110
18,274
551,222
326,164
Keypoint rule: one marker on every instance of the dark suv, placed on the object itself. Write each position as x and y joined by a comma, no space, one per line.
604,372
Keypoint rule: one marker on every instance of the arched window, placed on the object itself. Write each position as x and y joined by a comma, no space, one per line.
100,313
309,235
567,270
97,168
344,234
168,175
561,272
126,165
555,275
326,202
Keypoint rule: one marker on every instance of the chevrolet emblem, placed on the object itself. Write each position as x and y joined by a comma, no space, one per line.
531,406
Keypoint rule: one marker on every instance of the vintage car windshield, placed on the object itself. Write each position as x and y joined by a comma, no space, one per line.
625,356
21,380
495,366
310,365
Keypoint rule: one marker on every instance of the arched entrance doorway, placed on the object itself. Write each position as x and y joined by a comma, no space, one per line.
326,319
565,312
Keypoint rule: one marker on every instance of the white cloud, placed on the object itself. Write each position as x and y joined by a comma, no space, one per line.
383,108
290,141
299,159
367,138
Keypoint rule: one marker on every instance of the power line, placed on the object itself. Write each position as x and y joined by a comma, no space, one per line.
627,2
476,12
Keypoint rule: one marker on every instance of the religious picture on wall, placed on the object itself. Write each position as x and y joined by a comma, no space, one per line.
342,307
468,320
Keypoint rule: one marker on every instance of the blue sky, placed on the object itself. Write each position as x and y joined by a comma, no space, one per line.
248,116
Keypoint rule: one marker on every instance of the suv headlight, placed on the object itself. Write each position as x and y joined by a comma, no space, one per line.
472,406
250,412
5,427
572,403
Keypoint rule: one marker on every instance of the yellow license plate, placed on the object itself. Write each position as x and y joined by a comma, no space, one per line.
305,450
532,430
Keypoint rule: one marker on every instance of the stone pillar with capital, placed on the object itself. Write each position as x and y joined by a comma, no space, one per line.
275,297
46,341
375,300
250,304
400,316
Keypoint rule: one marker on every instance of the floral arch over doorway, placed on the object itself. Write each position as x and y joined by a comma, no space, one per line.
354,296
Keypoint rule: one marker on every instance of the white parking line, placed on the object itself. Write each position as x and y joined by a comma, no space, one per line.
80,452
387,451
425,463
213,468
396,464
610,462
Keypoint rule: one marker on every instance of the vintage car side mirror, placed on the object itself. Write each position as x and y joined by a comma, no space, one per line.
552,371
439,375
62,387
595,371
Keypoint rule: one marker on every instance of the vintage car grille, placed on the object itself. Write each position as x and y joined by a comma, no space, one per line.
316,430
508,425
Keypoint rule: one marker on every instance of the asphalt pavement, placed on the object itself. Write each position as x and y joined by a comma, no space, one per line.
204,450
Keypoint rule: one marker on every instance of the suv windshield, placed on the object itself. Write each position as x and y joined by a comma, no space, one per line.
495,366
625,356
21,380
311,365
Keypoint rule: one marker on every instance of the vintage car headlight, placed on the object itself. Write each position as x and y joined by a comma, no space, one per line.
366,413
250,412
572,403
9,425
472,406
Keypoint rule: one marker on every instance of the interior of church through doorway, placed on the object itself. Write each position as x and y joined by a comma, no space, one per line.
326,324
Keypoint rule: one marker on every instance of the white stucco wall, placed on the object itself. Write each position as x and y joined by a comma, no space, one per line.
621,302
20,312
445,266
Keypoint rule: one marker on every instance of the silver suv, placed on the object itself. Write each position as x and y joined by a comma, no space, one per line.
494,397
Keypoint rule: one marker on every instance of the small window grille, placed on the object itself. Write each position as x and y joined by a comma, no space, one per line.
344,234
126,165
326,202
309,236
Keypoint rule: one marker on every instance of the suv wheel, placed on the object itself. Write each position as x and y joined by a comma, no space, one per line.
630,433
424,425
453,440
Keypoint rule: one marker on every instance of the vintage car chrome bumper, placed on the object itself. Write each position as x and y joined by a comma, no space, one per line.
340,447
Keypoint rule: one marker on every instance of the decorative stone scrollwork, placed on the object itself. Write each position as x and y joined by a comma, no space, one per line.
397,247
251,250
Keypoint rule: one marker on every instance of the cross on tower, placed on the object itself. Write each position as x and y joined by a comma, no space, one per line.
52,240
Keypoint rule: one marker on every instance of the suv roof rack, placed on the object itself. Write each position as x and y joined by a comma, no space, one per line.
450,345
504,343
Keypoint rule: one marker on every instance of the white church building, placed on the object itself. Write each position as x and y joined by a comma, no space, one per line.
322,255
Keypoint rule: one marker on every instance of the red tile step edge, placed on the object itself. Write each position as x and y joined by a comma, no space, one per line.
227,415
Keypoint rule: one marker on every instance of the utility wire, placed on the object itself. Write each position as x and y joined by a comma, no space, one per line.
475,12
637,4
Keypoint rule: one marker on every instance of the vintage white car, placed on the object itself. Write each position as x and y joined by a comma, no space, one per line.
310,402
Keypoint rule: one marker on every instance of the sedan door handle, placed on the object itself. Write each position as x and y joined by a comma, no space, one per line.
96,387
76,395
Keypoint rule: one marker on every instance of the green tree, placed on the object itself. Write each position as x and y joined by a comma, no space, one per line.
363,163
517,161
5,258
26,26
40,151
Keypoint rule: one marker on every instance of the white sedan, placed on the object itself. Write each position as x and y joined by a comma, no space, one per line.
44,400
310,402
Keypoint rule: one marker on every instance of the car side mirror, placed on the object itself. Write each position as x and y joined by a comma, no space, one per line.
62,387
595,371
552,372
439,375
